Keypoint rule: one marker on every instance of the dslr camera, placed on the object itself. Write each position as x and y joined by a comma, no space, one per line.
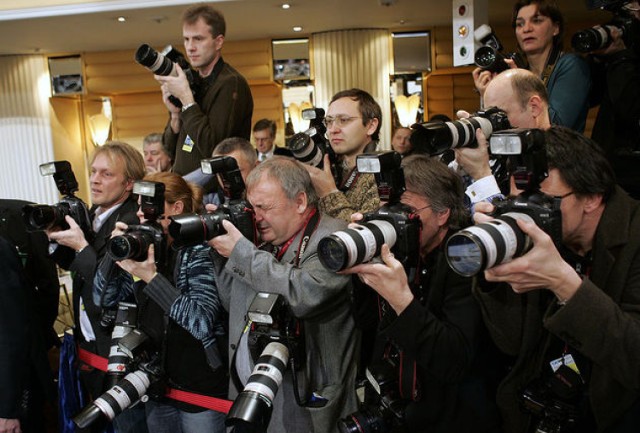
490,56
135,242
599,37
310,146
394,223
165,63
433,138
44,217
383,408
193,229
275,340
483,246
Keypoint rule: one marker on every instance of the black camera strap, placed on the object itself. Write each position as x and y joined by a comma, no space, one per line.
554,56
350,180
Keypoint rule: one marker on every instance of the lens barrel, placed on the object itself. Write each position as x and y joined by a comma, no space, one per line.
588,40
489,59
305,150
153,60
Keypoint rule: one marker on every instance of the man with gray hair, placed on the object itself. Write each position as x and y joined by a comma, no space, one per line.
286,264
156,155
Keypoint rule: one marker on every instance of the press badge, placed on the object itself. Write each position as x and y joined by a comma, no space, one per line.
566,360
188,144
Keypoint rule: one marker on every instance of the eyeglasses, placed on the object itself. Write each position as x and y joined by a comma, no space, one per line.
413,210
564,195
340,121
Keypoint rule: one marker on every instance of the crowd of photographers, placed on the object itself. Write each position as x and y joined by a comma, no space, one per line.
340,289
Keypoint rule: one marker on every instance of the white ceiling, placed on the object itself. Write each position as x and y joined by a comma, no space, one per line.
78,28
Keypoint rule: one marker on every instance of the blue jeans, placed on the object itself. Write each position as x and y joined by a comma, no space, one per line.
132,420
163,418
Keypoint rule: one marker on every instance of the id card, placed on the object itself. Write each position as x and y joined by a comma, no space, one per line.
566,360
188,144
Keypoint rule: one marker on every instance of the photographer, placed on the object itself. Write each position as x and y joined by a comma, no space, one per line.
435,323
539,30
353,124
568,312
523,97
114,168
179,308
225,107
287,264
616,73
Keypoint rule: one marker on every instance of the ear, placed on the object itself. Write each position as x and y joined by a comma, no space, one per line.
301,202
442,217
373,125
591,203
129,185
556,29
177,208
535,106
219,40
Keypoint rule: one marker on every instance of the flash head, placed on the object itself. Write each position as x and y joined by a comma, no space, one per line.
62,175
312,113
218,164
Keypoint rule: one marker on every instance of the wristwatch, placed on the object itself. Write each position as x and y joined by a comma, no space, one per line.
187,106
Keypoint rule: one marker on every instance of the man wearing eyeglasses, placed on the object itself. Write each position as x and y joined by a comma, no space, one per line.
431,327
353,123
570,314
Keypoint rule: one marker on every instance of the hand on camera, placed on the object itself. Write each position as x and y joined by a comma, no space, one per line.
541,268
616,45
119,229
73,237
144,270
9,425
176,86
322,179
224,244
475,160
388,278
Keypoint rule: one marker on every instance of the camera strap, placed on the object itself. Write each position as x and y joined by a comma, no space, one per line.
310,226
350,180
550,65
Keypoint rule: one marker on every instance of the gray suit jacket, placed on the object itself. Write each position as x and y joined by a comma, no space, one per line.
321,299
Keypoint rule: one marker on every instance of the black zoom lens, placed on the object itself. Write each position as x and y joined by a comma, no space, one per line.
193,229
489,59
132,245
42,216
586,41
153,60
362,422
347,248
483,246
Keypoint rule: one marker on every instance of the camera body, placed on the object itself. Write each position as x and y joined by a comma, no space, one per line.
137,239
165,62
193,229
433,138
310,146
490,56
44,217
383,407
394,223
483,246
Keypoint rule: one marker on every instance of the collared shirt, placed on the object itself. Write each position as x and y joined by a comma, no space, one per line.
101,216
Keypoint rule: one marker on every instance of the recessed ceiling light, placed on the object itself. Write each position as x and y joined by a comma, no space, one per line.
121,19
286,5
297,29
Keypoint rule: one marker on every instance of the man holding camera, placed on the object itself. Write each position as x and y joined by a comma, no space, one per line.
431,327
353,124
616,87
225,106
290,226
569,313
114,168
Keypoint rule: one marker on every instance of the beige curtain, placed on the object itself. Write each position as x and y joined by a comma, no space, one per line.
25,129
344,59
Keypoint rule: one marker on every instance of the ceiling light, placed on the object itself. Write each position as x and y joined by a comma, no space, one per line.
286,5
297,29
121,19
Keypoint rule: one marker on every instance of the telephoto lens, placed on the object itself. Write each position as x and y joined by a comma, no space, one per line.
346,248
305,150
588,40
135,243
42,216
483,246
125,322
154,61
489,59
253,406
